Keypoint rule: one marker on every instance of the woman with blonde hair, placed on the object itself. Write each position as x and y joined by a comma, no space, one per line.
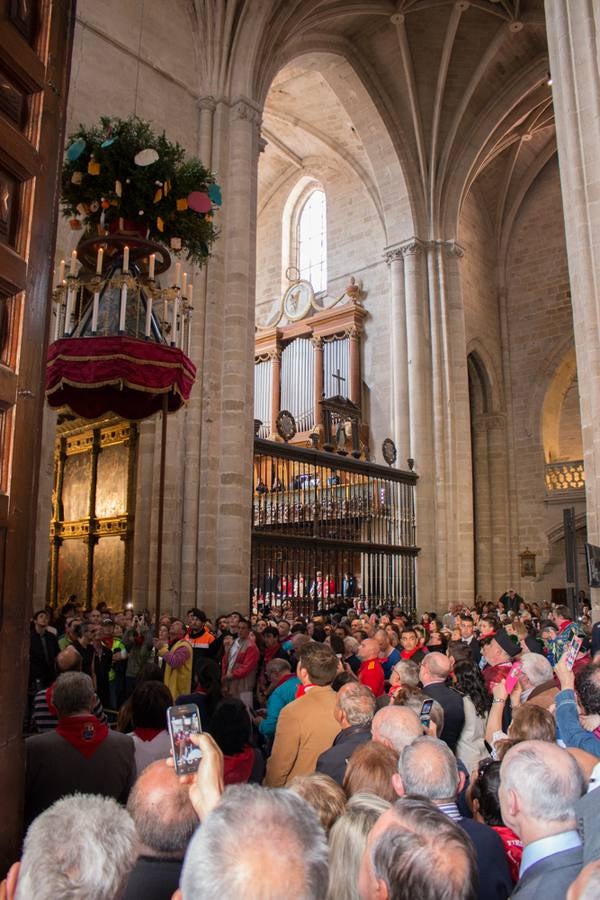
322,793
347,842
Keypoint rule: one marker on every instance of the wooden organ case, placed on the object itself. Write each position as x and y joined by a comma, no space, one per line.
308,362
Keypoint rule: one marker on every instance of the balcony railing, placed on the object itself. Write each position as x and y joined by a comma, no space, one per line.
564,478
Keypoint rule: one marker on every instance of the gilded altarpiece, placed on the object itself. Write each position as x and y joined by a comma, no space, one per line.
92,523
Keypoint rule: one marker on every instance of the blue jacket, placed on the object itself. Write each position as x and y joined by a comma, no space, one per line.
280,697
569,727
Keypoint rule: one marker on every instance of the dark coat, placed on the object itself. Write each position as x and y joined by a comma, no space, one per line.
454,713
55,769
587,810
153,878
333,762
550,878
41,666
475,648
495,882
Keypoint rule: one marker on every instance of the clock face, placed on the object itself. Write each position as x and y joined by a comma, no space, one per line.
297,300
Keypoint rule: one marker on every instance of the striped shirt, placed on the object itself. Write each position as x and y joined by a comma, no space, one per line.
43,720
451,810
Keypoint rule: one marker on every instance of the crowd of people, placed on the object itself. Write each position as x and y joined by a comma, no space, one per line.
350,755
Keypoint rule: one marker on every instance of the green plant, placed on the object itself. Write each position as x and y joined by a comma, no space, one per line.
102,185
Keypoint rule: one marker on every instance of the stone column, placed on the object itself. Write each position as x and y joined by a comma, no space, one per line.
192,434
421,418
317,342
573,35
399,375
227,433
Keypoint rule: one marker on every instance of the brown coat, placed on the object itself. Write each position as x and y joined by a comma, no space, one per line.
305,729
544,694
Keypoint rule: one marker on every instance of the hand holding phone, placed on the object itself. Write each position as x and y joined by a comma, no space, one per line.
183,721
573,648
425,714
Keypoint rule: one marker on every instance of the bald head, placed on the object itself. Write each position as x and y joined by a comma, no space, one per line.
435,667
396,727
161,809
68,660
369,649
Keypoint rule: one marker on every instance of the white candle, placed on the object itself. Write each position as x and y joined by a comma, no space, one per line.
148,315
190,294
178,274
126,259
123,309
184,285
174,323
99,259
151,264
73,265
182,331
69,312
95,308
61,272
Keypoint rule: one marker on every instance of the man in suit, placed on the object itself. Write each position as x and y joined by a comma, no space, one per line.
435,669
467,637
80,756
427,768
306,727
354,712
539,789
43,650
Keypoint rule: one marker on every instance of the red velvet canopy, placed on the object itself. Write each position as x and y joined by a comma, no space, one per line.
123,375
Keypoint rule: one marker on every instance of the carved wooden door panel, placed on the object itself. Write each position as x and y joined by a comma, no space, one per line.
35,50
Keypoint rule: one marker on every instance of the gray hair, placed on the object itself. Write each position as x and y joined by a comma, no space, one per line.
347,842
357,703
397,726
70,851
546,778
224,859
428,769
408,672
350,645
536,667
277,667
425,854
73,692
161,809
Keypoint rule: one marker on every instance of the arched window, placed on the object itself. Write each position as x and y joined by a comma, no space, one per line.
312,241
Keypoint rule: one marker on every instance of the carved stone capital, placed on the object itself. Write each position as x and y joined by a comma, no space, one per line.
453,249
393,255
275,353
317,341
244,109
207,103
413,248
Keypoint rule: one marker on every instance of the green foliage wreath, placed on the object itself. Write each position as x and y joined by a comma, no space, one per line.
105,189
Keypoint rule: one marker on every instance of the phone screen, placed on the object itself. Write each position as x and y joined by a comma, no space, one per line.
573,648
183,722
513,676
425,714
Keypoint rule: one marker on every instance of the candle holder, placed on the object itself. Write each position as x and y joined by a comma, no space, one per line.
117,293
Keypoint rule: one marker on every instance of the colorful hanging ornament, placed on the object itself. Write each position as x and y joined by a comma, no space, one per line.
158,195
145,157
214,192
175,243
199,202
182,204
75,224
93,167
77,177
94,206
166,187
118,188
75,150
160,224
104,203
107,143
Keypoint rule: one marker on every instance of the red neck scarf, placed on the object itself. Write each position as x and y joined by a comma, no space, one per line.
302,689
408,654
237,769
51,707
84,733
285,678
147,734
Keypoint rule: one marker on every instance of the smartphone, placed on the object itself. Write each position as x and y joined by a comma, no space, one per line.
573,648
183,721
425,714
513,676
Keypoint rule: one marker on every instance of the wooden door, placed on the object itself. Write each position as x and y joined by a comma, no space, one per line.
35,52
